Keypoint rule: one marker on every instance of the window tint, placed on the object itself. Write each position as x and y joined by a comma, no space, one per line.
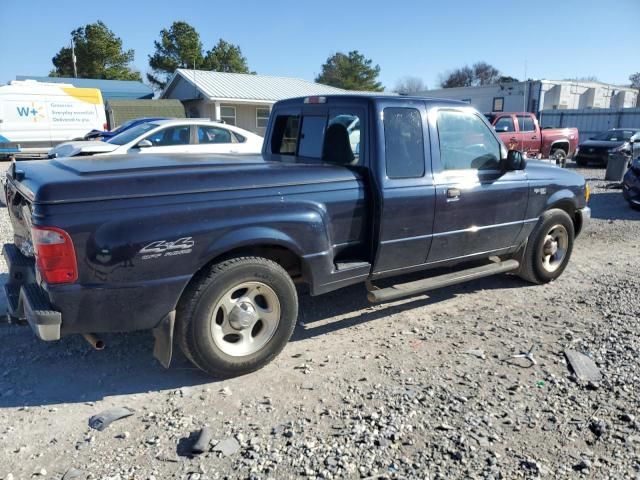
285,134
403,142
214,135
466,142
311,137
170,136
526,124
504,124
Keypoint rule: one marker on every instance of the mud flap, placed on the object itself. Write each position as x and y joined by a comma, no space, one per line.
163,335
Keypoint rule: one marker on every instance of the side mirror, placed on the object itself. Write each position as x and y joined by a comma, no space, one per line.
144,144
514,161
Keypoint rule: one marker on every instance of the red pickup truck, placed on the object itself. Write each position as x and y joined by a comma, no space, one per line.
521,131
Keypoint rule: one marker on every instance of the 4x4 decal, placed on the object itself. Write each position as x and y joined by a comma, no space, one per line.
165,248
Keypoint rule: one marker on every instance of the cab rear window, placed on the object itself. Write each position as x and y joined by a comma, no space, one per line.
312,136
285,134
332,138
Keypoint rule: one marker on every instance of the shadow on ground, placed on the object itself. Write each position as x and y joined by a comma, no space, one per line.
611,205
69,371
316,313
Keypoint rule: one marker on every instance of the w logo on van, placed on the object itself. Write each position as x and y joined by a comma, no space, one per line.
31,112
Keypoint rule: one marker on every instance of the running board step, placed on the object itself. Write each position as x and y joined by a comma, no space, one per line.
420,286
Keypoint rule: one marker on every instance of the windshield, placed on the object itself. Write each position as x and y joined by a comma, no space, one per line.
131,134
123,127
615,135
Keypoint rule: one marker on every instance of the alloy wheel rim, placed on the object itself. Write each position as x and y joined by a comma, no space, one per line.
554,248
245,318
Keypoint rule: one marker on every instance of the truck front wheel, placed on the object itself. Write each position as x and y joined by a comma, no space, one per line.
549,247
237,316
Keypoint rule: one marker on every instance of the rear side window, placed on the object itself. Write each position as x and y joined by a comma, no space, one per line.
214,135
526,124
403,143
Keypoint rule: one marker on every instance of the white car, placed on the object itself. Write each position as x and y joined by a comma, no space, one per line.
168,136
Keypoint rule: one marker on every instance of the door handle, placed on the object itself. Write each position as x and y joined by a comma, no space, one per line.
534,138
513,139
453,194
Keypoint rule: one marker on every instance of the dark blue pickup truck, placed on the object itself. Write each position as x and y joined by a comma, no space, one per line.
206,250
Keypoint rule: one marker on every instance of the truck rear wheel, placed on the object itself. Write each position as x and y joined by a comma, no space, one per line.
549,248
560,157
237,316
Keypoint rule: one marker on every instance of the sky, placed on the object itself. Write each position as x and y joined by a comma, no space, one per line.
541,39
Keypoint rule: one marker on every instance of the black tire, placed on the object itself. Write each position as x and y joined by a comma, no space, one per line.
560,156
532,264
195,315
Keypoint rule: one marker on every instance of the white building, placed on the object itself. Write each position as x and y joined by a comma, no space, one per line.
537,95
238,99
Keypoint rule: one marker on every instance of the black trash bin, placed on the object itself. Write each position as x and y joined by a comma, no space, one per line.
616,167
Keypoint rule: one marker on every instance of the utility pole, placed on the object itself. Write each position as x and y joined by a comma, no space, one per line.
73,58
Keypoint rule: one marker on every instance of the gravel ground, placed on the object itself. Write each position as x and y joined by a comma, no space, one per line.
421,388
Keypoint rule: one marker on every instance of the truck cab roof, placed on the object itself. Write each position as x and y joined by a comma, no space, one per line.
364,98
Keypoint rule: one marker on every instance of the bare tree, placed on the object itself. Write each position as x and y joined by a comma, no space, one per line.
410,85
481,73
485,74
635,80
460,77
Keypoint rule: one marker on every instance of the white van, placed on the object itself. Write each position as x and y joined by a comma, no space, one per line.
35,116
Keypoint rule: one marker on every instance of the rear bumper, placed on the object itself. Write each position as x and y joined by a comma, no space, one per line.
601,158
26,300
58,310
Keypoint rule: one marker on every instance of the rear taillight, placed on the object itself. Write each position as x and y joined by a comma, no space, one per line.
105,126
55,255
